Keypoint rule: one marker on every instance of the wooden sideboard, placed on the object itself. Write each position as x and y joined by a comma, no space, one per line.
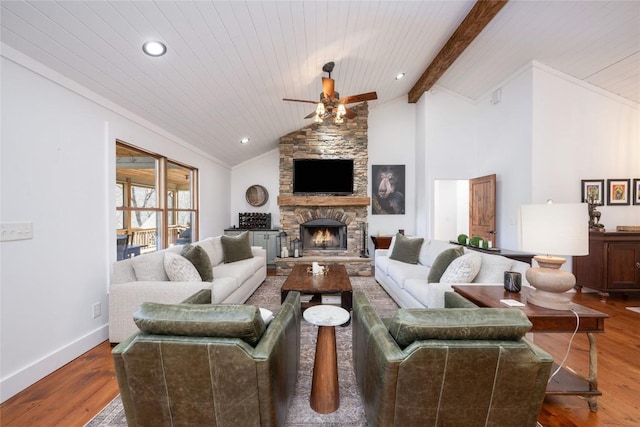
613,263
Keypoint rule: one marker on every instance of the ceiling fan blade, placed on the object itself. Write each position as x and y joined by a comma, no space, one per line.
300,100
349,114
308,116
328,87
369,96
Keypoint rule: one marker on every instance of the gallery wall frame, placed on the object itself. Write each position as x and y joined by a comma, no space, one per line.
636,191
593,191
618,192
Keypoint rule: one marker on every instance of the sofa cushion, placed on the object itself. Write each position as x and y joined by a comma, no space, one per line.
400,271
150,267
200,260
207,245
236,248
434,249
241,270
462,269
409,325
441,263
493,268
201,320
180,269
406,249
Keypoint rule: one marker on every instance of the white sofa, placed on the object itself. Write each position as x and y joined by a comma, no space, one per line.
407,283
144,279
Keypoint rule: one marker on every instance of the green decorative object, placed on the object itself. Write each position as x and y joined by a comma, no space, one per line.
485,244
462,239
475,241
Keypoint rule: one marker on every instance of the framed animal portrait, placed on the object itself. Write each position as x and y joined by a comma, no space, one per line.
618,192
593,191
388,189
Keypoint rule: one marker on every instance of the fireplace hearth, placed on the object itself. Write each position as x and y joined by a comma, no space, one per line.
323,234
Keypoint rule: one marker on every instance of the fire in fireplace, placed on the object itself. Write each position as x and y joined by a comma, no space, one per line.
323,234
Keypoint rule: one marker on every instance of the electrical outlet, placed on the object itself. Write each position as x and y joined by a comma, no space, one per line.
97,310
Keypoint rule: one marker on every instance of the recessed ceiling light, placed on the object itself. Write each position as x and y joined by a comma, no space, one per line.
399,76
154,48
245,140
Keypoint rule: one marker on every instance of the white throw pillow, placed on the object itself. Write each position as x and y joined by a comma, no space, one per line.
267,315
462,269
180,269
493,268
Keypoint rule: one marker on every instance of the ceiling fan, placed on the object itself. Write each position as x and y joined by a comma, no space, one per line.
331,105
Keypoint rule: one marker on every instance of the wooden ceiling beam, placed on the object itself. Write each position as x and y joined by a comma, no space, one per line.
479,17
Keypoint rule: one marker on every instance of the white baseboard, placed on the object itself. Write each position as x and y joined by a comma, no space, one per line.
20,380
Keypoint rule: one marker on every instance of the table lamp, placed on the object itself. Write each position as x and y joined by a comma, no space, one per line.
558,229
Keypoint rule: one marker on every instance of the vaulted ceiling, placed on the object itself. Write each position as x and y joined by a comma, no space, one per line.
230,63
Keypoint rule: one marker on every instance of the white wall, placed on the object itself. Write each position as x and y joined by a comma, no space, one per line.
464,140
392,141
582,132
263,170
58,172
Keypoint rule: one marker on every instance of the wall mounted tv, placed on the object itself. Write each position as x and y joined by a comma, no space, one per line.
325,176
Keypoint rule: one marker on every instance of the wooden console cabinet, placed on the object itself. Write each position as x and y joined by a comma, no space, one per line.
613,263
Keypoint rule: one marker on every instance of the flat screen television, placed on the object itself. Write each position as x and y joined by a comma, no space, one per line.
325,176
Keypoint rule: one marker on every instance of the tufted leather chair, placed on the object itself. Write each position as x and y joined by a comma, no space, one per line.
460,366
198,364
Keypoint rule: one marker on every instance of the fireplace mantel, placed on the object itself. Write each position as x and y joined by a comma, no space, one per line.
323,201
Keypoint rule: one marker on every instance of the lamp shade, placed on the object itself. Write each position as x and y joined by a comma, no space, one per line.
554,229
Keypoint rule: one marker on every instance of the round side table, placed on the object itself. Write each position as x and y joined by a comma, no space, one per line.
325,395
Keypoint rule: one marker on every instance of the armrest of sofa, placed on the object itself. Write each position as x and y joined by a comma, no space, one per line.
259,251
277,357
124,299
381,252
376,360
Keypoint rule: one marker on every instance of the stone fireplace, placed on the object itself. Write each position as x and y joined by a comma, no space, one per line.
330,228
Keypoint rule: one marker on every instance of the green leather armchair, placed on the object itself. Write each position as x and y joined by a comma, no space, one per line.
198,364
459,366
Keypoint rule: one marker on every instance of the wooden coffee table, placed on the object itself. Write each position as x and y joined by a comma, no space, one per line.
566,382
313,287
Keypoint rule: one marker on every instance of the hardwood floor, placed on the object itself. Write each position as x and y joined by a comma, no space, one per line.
72,395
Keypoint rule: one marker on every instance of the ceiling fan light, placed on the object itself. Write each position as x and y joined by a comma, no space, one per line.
318,118
342,110
320,109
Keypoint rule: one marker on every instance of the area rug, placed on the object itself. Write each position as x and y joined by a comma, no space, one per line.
636,309
351,412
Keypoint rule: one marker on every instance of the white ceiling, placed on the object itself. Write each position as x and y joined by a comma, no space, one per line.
230,63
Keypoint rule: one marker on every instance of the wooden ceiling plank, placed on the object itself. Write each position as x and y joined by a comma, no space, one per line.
478,18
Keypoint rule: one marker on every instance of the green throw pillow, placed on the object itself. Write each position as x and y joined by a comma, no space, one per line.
406,249
236,248
200,260
441,263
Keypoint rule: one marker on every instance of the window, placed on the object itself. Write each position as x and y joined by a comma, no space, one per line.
151,220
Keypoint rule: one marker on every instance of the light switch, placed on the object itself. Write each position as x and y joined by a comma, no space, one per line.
16,231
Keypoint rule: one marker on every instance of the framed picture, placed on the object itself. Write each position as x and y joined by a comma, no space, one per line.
636,191
593,191
387,189
618,192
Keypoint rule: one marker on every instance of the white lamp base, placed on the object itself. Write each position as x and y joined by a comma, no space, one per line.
551,283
